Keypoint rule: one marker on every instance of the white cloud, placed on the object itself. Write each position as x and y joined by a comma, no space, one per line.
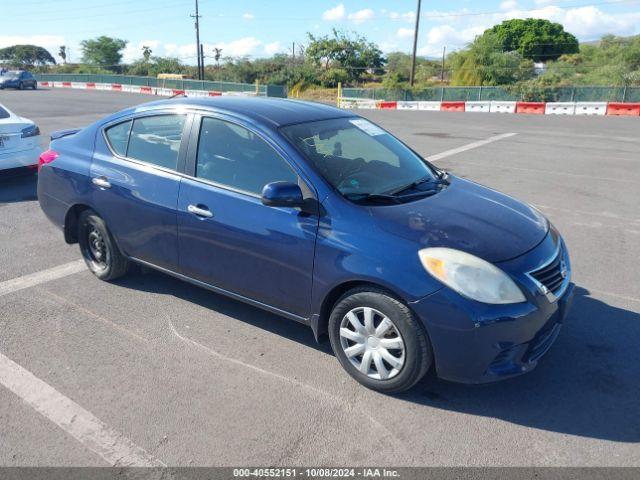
508,5
248,16
272,48
446,35
241,47
133,51
336,13
403,17
361,15
405,32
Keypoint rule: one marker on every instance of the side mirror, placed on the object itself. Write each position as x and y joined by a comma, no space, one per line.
282,194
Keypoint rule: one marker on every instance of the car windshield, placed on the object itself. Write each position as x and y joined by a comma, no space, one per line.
359,158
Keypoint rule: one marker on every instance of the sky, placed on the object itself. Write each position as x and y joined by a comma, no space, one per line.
257,28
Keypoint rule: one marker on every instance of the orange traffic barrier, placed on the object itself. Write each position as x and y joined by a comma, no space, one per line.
388,105
532,108
627,109
66,84
91,85
116,86
177,92
452,106
145,90
214,94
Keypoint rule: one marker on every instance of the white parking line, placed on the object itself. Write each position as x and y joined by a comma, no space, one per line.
44,276
111,445
469,146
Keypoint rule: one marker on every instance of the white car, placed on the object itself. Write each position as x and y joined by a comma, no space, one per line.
19,141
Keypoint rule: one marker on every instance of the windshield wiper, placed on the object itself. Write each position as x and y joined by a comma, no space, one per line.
420,181
360,197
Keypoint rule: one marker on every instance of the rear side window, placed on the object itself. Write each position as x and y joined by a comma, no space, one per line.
156,140
231,155
118,137
4,113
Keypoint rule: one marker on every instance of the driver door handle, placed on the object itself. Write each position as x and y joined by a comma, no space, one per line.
200,211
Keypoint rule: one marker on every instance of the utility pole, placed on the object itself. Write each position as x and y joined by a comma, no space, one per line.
197,17
202,61
415,46
444,52
293,52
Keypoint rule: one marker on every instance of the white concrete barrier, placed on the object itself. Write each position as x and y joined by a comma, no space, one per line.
78,85
430,106
502,107
477,106
407,106
591,108
560,108
103,86
366,104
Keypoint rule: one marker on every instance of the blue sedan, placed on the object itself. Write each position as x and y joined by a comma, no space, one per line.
19,79
322,217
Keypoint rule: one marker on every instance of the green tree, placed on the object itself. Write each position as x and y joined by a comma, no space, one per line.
484,63
534,38
103,51
146,53
344,57
62,52
25,56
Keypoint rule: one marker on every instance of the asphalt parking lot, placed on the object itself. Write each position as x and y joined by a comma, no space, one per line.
193,378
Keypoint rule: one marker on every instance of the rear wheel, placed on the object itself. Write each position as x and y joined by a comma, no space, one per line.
35,86
99,250
378,340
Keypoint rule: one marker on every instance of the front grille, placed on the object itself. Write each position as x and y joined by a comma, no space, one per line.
553,274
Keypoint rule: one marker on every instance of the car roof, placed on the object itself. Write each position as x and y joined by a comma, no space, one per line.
273,111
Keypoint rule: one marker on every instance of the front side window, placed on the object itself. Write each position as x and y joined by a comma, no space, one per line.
359,158
231,155
156,140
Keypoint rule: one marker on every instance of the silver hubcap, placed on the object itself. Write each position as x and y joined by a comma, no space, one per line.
372,343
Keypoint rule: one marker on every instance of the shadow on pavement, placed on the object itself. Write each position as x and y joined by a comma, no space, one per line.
587,385
160,283
18,185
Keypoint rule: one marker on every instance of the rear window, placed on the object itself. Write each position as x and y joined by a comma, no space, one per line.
4,113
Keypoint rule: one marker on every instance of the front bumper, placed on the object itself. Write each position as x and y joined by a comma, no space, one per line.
478,343
24,158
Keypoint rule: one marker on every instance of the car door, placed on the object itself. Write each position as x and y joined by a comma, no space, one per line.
227,237
135,180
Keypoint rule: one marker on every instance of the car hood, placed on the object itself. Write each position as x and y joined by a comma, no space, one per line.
469,217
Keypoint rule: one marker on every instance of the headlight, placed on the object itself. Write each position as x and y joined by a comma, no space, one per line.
30,131
470,276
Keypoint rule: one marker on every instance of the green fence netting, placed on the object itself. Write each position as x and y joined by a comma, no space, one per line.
467,94
263,90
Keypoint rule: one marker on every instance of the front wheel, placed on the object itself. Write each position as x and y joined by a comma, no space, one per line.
99,250
378,340
21,86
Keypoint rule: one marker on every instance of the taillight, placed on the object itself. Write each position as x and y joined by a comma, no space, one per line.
47,157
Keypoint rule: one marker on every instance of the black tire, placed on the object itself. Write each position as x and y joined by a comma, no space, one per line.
21,86
35,86
418,356
99,250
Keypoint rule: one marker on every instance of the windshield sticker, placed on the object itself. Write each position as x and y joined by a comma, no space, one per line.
367,127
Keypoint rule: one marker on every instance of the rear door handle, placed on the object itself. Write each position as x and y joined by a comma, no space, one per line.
101,182
200,211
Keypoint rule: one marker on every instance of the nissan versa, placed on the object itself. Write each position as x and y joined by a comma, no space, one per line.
323,217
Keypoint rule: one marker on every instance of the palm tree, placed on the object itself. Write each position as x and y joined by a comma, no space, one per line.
218,54
146,53
63,53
